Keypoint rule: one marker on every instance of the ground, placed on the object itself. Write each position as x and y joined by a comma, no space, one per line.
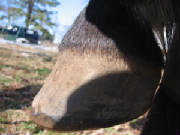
22,73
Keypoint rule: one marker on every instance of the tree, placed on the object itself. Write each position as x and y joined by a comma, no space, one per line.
46,35
37,13
1,7
7,11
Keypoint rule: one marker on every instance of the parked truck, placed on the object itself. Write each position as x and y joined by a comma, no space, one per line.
20,34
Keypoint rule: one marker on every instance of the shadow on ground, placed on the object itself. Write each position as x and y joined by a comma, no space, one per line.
18,98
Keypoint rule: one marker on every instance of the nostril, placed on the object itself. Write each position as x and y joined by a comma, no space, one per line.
42,120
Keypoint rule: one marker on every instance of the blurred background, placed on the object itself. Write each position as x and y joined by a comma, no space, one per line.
50,18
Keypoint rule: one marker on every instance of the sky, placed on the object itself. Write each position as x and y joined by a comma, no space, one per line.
67,13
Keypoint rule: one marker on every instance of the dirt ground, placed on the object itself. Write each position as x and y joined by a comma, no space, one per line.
22,73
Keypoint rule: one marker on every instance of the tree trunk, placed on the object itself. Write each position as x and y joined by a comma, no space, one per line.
9,13
29,13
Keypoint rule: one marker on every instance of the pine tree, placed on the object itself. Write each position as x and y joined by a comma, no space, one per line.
7,11
37,13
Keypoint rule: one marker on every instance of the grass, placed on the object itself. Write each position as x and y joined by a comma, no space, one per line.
5,80
42,73
2,130
7,55
21,77
30,127
2,120
17,78
16,72
4,66
47,59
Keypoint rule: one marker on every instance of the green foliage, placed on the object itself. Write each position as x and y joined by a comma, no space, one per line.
45,34
8,11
